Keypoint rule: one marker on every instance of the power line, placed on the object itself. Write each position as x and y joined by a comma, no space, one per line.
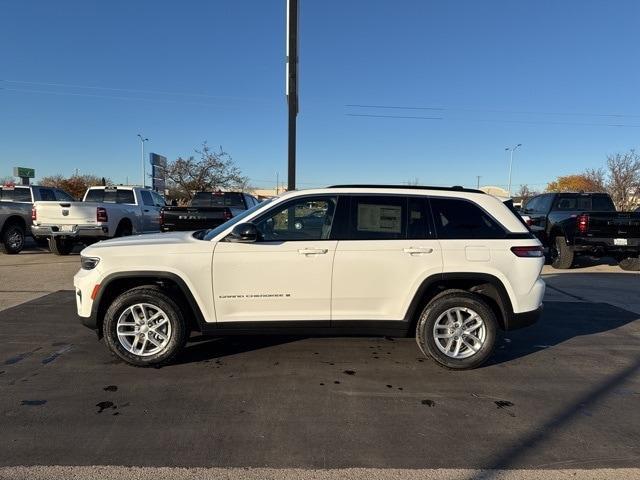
529,122
392,116
516,112
131,90
113,97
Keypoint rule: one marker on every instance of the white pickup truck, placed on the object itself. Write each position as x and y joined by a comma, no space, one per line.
105,212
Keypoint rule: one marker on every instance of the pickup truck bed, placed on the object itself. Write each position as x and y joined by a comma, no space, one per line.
207,210
571,224
105,212
16,202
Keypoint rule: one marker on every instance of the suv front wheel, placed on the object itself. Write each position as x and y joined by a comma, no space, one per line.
458,330
144,327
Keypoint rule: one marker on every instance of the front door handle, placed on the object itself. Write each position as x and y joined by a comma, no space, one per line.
417,250
312,251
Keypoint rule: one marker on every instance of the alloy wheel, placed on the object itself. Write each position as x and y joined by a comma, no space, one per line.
459,332
143,329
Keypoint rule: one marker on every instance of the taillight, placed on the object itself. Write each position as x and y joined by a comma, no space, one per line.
227,215
101,214
528,222
34,214
583,223
531,252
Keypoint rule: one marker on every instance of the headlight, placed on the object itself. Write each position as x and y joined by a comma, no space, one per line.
88,263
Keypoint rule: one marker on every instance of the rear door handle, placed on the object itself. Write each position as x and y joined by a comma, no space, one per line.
417,250
312,251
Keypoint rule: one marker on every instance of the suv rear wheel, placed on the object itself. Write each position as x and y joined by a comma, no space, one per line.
457,330
144,327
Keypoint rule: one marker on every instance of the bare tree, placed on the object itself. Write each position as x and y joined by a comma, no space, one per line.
76,185
214,170
525,193
597,178
623,183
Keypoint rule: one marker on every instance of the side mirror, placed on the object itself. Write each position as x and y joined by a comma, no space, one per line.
243,233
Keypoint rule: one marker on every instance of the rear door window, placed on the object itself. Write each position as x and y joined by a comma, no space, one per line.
147,199
457,219
379,218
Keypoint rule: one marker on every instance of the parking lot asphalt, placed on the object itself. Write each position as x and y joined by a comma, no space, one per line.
561,394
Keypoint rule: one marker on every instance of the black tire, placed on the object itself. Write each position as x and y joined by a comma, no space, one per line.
152,295
561,254
12,239
630,264
425,332
60,246
123,230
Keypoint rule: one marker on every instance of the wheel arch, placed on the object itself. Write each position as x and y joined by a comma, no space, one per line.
488,286
125,221
116,283
14,220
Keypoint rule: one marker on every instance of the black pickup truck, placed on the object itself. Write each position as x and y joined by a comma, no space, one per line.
207,210
571,224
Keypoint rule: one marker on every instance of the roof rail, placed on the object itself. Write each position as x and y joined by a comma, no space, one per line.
455,188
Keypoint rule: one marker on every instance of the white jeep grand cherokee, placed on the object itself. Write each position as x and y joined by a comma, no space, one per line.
450,265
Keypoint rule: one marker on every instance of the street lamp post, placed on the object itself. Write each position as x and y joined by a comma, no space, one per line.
144,173
511,149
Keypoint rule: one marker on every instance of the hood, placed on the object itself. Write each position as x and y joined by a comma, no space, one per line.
153,239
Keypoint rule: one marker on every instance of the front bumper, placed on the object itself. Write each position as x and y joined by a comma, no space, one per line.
84,283
524,319
77,231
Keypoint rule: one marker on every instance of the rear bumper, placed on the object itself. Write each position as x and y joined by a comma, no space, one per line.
608,245
92,231
524,319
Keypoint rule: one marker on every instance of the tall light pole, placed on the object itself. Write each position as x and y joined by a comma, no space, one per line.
292,87
511,149
144,172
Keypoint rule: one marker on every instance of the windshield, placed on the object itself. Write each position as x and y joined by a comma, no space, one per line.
220,228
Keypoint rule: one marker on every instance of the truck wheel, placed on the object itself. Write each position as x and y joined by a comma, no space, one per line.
561,254
457,330
123,230
60,246
12,239
631,264
144,327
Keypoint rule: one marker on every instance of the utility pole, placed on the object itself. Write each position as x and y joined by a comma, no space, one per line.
478,177
511,149
144,172
277,183
292,87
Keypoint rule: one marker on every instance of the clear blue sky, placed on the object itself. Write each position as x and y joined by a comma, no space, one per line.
184,72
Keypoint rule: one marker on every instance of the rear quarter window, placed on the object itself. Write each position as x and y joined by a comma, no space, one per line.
461,219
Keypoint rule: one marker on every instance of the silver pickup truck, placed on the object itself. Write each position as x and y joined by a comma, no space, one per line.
105,212
16,204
